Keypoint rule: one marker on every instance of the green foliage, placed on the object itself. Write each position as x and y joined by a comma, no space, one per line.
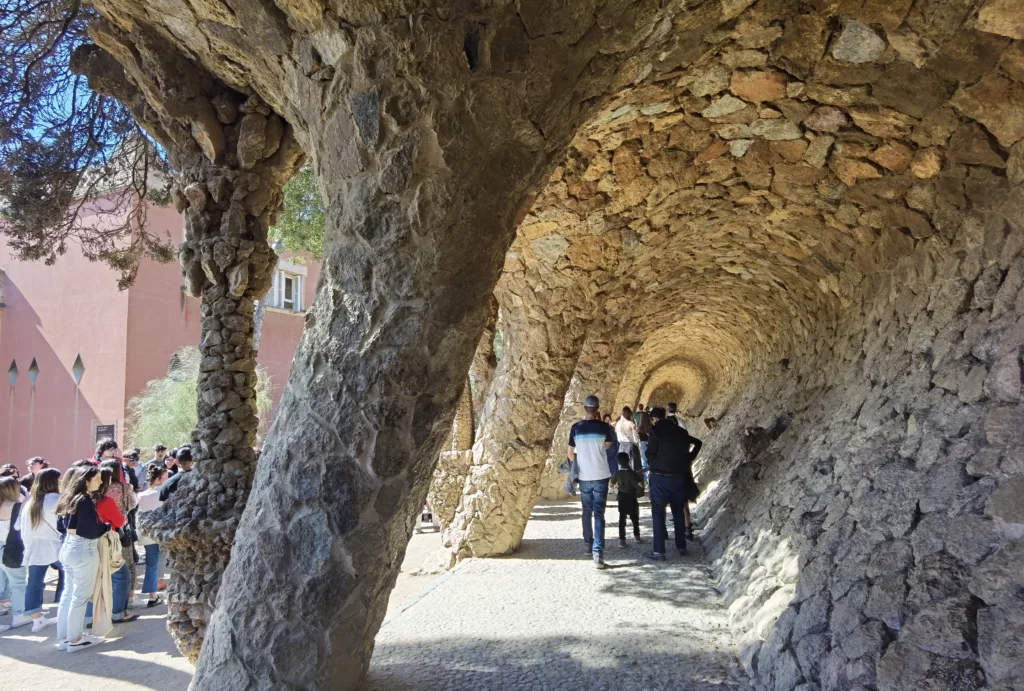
300,226
165,411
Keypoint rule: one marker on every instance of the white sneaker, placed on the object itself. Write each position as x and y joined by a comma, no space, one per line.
86,641
21,620
62,644
41,623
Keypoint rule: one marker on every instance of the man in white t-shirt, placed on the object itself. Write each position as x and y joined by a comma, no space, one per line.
588,441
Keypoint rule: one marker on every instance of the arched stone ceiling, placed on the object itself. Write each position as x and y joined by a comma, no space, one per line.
735,205
688,381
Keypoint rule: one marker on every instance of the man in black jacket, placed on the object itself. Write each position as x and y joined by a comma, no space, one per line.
670,454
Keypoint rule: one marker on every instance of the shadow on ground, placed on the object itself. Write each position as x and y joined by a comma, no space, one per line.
562,662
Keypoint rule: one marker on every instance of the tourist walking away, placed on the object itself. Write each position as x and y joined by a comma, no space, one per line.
643,430
629,440
627,492
78,519
149,500
38,526
636,415
670,454
674,417
12,550
589,441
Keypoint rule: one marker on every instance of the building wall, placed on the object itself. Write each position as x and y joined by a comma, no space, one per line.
162,318
125,340
54,314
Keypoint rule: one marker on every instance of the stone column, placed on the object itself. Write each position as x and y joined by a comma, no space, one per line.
453,462
485,360
542,343
435,154
598,372
232,157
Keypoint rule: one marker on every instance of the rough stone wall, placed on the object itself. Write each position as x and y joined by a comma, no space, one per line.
821,228
870,530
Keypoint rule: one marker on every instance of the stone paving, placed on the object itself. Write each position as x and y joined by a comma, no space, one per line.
545,618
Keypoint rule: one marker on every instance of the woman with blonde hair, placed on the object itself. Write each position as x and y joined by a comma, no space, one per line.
38,526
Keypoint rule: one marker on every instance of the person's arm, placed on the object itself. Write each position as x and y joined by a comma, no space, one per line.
695,448
106,509
652,447
609,436
88,522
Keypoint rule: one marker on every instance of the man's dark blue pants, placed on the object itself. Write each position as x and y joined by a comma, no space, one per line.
668,490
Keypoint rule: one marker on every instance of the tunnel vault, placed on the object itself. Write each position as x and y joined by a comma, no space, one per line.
810,239
805,217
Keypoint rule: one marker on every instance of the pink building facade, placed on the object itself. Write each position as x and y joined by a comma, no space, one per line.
75,349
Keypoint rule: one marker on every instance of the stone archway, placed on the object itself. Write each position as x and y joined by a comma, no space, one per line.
819,206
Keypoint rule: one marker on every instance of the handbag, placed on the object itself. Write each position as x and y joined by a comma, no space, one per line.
14,548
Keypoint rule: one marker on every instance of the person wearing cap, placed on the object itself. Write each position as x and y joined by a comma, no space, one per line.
589,440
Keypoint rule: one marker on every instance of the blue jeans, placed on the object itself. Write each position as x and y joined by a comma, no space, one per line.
16,579
594,494
81,559
668,490
36,586
150,583
121,584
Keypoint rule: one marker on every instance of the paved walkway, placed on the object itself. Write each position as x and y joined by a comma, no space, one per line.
542,618
545,618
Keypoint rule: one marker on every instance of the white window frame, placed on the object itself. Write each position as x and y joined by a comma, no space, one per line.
284,272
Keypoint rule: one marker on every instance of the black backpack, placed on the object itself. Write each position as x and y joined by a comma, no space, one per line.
14,548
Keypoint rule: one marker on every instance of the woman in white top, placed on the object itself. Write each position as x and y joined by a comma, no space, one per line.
11,503
629,438
38,526
156,475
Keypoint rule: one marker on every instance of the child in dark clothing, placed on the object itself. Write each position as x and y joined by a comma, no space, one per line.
628,483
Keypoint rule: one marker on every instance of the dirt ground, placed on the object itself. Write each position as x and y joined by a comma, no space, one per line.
139,655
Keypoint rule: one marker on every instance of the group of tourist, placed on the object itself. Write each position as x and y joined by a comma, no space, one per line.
84,525
649,450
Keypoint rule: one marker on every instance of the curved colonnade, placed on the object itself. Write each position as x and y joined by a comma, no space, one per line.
811,243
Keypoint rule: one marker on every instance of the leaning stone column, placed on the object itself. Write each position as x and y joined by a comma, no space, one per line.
429,149
485,360
542,343
598,372
232,156
453,462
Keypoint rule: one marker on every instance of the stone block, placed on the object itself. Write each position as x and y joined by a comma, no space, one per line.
943,628
1001,575
1001,640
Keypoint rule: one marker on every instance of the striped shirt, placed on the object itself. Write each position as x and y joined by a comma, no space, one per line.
588,437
